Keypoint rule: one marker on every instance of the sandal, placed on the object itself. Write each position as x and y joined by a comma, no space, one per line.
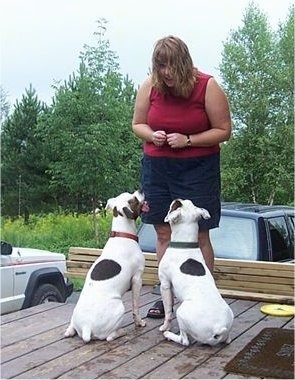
156,311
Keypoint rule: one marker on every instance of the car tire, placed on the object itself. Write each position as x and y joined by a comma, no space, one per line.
46,293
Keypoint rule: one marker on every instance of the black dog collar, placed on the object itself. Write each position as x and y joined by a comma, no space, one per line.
183,244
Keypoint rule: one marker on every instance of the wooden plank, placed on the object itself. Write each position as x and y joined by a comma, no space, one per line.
37,348
150,276
254,296
151,263
255,264
151,256
78,264
252,277
271,272
164,353
79,257
38,363
75,274
12,317
262,278
39,323
261,287
242,332
86,250
151,270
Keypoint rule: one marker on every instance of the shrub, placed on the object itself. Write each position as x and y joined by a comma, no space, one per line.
57,232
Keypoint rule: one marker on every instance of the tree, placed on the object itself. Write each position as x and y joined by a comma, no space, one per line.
94,154
4,105
23,164
257,70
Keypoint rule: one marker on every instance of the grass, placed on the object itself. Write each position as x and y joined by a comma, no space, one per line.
57,232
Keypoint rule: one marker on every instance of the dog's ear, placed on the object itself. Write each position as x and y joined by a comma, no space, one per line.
175,205
174,213
110,204
129,213
173,216
205,213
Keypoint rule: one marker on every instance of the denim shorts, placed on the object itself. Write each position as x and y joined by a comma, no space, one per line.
197,179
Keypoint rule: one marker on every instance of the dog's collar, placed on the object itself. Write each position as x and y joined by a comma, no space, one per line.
124,234
183,244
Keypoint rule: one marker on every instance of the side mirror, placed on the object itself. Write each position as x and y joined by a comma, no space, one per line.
6,248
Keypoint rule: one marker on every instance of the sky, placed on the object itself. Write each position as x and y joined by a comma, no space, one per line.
41,39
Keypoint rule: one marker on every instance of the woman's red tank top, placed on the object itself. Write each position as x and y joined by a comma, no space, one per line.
178,115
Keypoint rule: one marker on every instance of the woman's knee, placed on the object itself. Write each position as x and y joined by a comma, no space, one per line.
206,248
163,238
204,238
163,232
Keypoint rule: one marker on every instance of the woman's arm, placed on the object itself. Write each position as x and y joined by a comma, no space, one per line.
139,122
217,109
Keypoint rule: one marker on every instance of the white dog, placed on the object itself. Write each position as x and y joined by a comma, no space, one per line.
99,311
203,314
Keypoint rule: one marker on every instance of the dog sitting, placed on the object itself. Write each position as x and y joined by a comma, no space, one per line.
203,314
99,311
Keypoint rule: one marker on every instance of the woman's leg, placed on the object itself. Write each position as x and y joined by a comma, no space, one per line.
207,249
163,238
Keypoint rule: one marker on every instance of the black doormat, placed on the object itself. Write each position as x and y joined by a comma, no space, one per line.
269,354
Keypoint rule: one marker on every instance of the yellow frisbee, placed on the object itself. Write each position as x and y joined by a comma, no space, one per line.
278,310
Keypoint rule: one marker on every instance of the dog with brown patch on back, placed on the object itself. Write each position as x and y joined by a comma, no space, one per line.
99,311
203,314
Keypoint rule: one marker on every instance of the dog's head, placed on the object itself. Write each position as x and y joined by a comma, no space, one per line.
184,210
127,204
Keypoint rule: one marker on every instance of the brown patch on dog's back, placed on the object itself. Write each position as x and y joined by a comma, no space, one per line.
105,269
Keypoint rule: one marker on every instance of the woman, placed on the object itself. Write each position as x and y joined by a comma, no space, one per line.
182,115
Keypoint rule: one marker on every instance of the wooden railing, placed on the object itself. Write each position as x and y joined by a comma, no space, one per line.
256,280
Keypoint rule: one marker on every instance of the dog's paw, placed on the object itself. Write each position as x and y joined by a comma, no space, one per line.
167,334
70,331
140,323
164,327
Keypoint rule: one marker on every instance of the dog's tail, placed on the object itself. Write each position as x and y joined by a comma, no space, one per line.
86,334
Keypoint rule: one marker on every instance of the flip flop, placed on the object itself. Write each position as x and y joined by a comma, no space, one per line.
156,311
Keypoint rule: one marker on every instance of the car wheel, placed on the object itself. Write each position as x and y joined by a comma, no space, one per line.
46,293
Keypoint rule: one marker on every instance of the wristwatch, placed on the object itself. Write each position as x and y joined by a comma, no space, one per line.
188,141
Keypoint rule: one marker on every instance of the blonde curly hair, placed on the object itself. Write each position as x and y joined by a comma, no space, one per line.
172,51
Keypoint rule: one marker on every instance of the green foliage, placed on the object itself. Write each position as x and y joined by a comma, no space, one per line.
80,151
257,70
57,232
4,105
78,283
23,164
94,153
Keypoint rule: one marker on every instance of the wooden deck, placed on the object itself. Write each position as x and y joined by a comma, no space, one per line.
32,345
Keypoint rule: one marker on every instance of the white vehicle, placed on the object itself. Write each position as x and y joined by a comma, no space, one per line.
30,277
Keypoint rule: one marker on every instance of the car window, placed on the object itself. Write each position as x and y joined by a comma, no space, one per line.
147,238
291,226
235,238
279,238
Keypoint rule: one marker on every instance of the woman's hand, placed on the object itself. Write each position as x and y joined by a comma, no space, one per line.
159,138
177,140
